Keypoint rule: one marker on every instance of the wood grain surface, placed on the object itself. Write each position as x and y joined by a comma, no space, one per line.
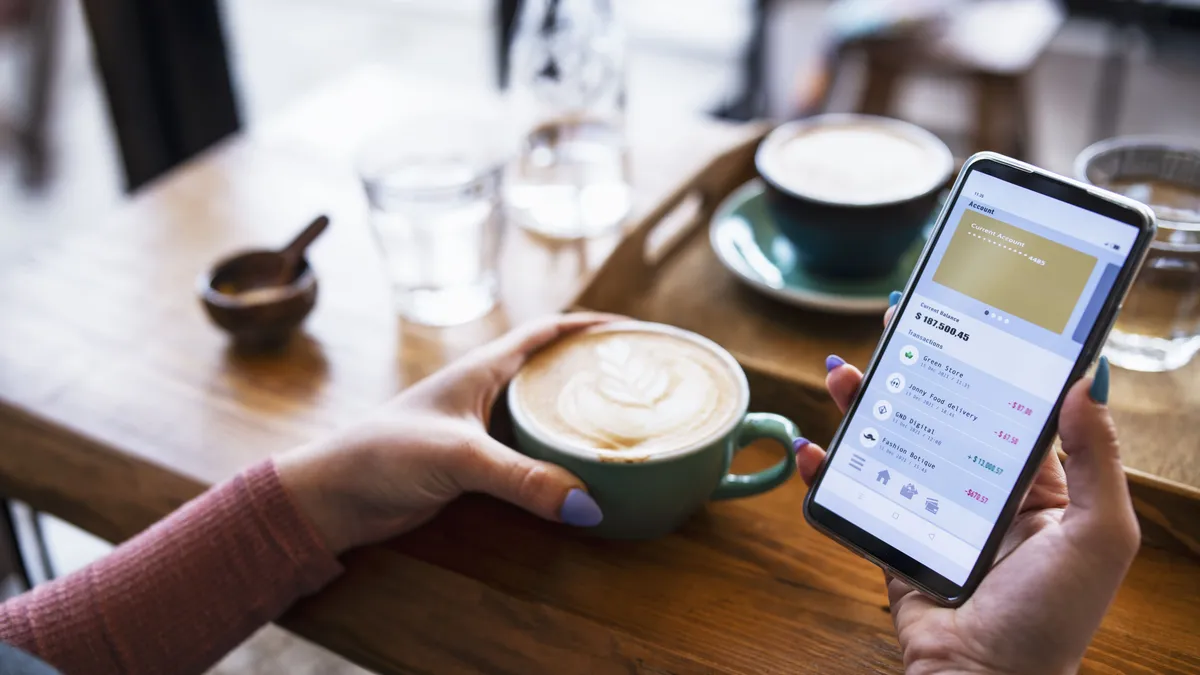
118,402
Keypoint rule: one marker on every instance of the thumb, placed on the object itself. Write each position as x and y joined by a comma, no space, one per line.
543,489
1100,505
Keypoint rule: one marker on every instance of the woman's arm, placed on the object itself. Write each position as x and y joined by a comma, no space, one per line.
179,596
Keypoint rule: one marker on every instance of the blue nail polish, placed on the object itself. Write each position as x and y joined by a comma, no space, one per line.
833,361
800,443
894,298
1099,390
580,510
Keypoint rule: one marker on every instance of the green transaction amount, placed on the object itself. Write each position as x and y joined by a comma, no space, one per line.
985,464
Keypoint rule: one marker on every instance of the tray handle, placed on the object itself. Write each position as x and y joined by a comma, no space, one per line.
632,264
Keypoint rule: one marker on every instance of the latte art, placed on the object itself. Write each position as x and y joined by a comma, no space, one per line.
628,390
628,398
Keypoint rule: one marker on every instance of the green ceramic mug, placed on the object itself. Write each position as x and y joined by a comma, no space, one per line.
649,494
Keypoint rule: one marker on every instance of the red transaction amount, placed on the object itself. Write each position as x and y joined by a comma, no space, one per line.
976,496
1021,408
1005,436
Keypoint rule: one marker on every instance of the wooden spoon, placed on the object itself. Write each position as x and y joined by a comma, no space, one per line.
291,255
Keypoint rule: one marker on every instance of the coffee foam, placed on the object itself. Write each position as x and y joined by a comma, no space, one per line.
628,391
854,163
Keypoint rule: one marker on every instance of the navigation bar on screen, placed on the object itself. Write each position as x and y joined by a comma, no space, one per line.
1069,219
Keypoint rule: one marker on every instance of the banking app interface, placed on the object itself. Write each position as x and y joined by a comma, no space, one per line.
983,348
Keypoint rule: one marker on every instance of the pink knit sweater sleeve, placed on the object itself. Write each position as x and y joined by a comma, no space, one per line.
179,596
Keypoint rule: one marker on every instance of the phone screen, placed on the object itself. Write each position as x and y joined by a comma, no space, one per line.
983,346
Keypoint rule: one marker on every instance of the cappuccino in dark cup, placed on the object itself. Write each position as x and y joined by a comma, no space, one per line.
852,192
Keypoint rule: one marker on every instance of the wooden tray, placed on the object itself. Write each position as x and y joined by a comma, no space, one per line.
666,271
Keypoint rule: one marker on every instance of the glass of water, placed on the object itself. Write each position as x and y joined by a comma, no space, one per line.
434,196
570,179
1158,328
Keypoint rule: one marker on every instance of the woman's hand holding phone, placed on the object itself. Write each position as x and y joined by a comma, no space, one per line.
1059,565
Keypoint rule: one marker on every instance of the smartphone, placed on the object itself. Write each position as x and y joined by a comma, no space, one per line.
1012,299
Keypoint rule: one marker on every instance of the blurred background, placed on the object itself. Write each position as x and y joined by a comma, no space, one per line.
749,58
90,110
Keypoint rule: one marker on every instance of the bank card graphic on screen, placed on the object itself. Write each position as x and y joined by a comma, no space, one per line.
1014,270
964,387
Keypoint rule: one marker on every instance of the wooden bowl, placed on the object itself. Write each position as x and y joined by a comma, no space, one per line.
258,318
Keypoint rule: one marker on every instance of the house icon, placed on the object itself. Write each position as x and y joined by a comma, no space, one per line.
883,477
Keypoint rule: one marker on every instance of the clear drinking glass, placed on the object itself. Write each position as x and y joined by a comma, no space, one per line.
1158,329
570,179
434,196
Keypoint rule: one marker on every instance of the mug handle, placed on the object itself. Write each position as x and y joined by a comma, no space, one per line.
754,427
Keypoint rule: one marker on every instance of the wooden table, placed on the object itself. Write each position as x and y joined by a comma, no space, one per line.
118,402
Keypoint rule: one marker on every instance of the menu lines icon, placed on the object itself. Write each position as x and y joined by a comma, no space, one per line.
857,461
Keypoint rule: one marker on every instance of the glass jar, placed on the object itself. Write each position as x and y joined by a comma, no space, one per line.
570,178
1158,328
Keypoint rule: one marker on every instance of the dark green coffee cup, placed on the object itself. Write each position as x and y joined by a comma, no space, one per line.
860,233
649,494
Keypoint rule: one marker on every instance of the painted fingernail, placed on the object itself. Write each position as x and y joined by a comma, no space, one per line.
1099,390
799,443
580,510
833,361
893,298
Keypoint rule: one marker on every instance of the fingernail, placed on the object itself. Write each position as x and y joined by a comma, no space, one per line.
833,361
799,443
1099,390
580,510
893,298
